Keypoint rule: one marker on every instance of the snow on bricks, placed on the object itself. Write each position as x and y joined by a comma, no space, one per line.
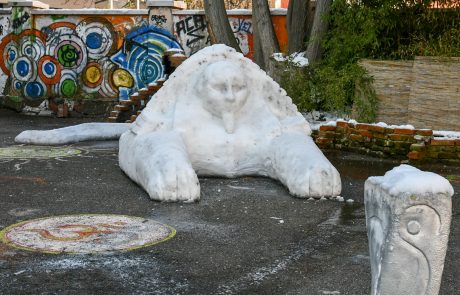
404,142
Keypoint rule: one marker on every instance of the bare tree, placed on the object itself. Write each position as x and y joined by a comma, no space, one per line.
298,17
318,30
265,42
218,25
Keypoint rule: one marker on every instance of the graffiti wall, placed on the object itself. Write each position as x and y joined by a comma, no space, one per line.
84,57
87,54
191,31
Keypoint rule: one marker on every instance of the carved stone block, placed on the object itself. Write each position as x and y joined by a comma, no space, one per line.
408,215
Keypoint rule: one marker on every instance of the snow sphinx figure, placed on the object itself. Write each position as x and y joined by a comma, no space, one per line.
220,114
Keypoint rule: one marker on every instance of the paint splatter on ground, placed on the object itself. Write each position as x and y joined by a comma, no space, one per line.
26,152
85,234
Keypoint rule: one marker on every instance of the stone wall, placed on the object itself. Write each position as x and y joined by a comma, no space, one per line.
424,92
391,142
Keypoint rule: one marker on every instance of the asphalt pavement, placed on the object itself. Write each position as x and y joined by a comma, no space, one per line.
245,236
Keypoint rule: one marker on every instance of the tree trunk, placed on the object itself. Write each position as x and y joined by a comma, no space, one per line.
218,25
265,34
297,25
318,30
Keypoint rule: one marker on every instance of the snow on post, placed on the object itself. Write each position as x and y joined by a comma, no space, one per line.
408,215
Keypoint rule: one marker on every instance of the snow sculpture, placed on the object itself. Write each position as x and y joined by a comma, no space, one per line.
220,114
408,214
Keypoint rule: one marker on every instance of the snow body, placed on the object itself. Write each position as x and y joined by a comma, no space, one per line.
220,114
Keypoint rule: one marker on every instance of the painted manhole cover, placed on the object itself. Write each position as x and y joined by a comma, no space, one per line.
24,152
86,233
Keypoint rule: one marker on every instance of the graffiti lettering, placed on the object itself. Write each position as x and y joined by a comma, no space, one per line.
158,20
18,22
193,27
242,25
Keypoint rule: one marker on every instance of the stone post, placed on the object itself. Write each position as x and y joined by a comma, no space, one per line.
161,13
408,215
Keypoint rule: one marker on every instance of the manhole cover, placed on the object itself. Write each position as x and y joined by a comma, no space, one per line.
86,234
24,152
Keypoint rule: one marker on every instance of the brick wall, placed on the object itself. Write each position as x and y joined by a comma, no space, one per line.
394,142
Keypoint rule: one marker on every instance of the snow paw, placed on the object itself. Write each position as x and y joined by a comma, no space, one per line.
320,179
174,182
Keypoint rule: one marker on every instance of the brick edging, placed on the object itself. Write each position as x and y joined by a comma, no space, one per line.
392,142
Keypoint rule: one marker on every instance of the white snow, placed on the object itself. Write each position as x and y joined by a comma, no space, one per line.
406,180
82,132
447,134
298,59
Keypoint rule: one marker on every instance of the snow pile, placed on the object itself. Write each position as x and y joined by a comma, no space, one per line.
298,59
406,180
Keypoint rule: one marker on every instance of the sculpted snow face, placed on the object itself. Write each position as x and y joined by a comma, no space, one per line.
219,114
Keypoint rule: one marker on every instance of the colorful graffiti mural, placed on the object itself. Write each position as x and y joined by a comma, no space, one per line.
87,58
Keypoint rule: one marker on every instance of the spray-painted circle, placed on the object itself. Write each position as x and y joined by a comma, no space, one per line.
34,49
99,36
37,152
71,53
24,69
34,89
67,85
84,234
49,69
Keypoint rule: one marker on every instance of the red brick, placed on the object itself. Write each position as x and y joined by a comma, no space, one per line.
442,142
414,155
457,142
376,128
356,137
400,137
327,128
404,131
342,124
366,133
323,141
424,132
62,111
360,126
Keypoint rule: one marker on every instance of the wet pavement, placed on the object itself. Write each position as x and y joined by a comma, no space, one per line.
245,236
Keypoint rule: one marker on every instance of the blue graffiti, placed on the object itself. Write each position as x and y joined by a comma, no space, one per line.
142,55
34,90
23,68
94,40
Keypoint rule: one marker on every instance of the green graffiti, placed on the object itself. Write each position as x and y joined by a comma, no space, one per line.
68,87
22,152
57,17
68,55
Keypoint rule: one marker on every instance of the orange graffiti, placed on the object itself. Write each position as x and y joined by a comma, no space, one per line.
80,231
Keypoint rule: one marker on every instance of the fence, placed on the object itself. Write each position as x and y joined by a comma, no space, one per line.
424,92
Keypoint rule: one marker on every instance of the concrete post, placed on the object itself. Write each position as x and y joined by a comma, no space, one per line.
408,215
21,14
161,13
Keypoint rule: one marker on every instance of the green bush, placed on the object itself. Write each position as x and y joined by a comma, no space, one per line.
377,29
